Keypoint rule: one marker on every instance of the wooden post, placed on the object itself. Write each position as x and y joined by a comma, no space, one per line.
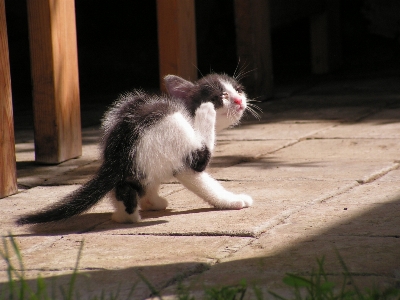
8,173
54,61
253,42
326,51
177,39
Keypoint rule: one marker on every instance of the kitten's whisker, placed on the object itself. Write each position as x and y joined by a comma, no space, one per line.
244,74
231,116
256,107
198,70
255,99
237,66
253,113
242,71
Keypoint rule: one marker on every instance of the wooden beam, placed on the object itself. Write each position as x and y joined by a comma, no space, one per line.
253,42
177,38
326,50
54,64
8,172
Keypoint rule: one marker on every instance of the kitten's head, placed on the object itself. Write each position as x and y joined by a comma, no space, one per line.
226,93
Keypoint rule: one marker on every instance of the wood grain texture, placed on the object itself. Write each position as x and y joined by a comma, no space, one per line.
177,38
8,173
253,42
54,64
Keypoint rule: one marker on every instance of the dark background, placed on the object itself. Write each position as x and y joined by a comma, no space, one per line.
117,45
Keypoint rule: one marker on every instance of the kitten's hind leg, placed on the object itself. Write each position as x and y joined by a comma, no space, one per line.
125,199
204,186
151,200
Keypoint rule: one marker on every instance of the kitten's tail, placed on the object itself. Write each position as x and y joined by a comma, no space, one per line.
78,201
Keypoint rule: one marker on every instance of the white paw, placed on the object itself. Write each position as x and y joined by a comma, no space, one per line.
154,203
205,116
247,200
236,201
206,110
123,217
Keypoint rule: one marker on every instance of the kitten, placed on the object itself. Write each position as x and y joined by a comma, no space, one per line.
148,139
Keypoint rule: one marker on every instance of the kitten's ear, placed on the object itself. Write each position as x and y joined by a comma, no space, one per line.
177,86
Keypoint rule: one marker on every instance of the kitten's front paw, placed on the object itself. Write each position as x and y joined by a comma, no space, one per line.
205,116
206,110
236,201
247,200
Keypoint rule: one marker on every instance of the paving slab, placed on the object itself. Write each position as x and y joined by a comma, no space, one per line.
318,108
366,236
278,166
189,215
370,266
393,176
35,199
110,260
379,204
229,153
38,198
31,174
185,215
284,130
345,149
383,124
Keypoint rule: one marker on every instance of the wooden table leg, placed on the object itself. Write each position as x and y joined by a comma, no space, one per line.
8,177
177,38
54,64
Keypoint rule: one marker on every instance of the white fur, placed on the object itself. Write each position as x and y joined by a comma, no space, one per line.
151,200
164,148
210,190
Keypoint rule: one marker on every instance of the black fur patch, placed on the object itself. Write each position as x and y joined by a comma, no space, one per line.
128,193
200,159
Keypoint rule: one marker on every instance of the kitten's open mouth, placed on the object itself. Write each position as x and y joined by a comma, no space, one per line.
239,107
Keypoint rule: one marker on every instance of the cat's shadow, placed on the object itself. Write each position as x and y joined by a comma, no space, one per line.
154,214
101,222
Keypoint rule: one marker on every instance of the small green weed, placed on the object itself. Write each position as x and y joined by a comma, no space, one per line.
18,287
227,292
318,287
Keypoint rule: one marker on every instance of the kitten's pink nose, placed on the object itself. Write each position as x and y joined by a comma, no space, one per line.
237,101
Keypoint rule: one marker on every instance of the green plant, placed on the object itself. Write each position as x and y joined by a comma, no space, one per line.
18,288
227,292
318,287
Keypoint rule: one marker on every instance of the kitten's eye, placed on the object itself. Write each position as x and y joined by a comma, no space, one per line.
224,94
239,90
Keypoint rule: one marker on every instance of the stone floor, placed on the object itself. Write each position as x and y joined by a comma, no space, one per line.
322,165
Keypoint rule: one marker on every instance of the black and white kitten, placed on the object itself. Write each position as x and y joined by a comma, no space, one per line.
149,139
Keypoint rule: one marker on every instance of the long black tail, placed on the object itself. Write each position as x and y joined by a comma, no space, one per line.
78,201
